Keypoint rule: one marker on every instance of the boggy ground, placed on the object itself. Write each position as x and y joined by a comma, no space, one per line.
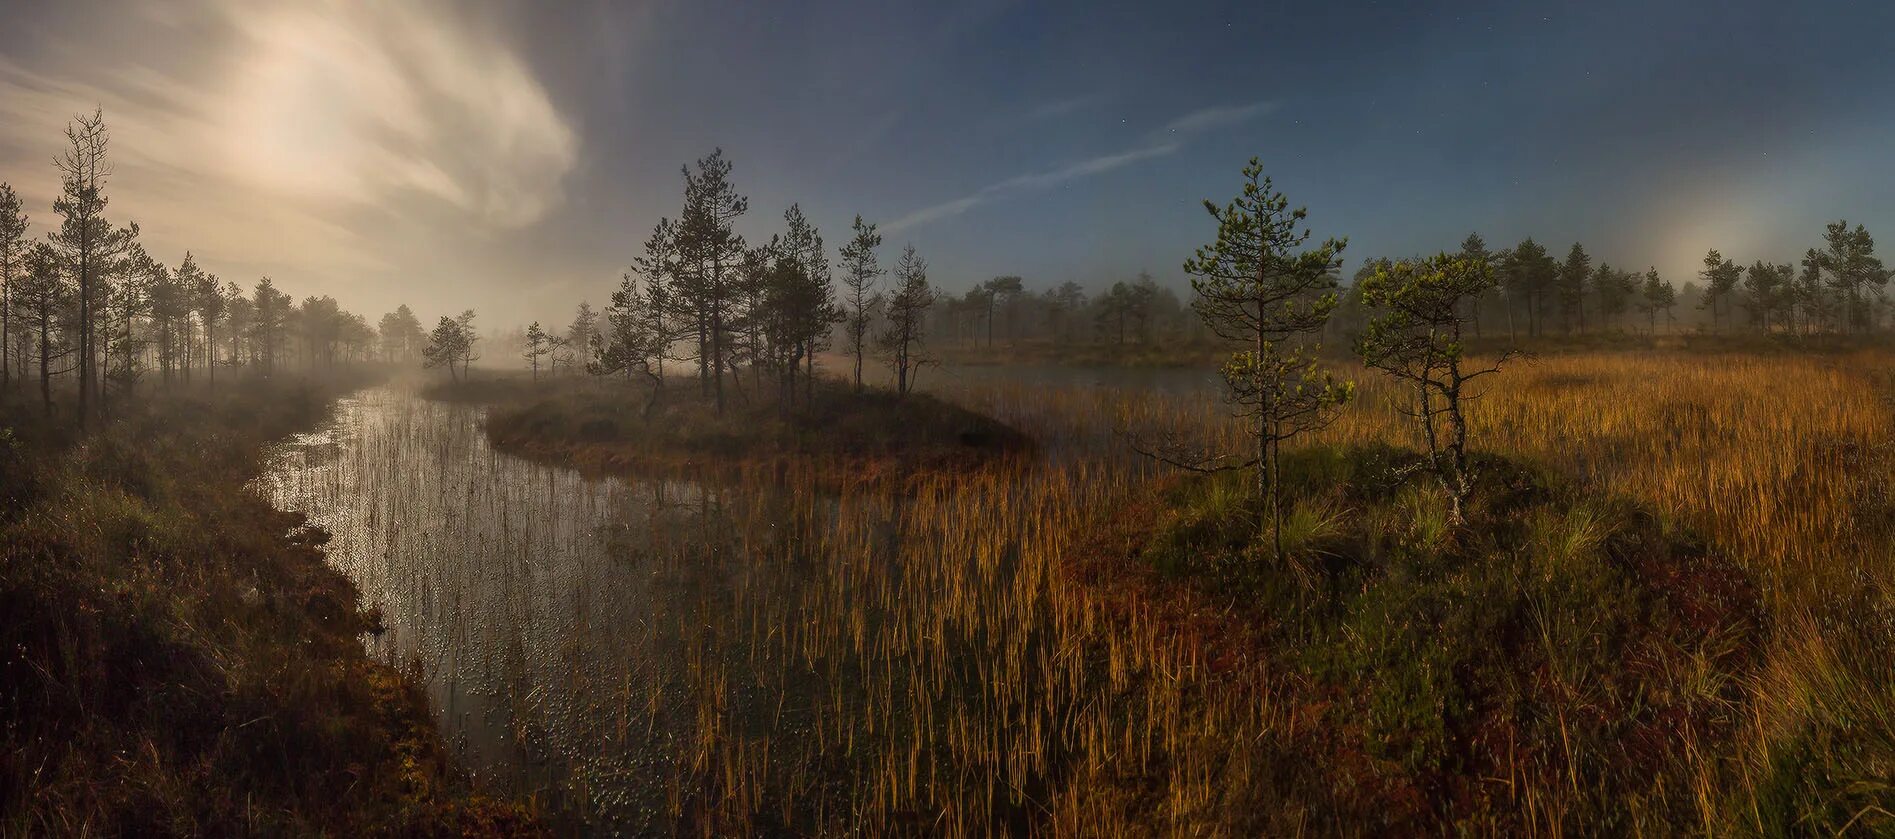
837,435
1429,673
178,659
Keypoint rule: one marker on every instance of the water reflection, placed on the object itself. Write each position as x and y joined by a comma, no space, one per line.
541,606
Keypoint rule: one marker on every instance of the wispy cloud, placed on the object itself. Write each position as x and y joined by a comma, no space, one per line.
1036,180
283,137
1166,141
1209,119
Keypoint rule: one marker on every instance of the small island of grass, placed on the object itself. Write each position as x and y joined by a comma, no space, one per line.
833,433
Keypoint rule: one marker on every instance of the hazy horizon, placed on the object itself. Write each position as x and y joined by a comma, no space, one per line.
497,156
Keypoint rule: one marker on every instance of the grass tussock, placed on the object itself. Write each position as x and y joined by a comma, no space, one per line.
838,435
178,659
1776,460
1432,678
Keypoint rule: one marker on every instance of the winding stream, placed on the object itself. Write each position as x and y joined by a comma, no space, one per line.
640,655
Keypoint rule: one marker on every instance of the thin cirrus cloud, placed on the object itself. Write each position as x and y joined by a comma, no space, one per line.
1166,141
319,120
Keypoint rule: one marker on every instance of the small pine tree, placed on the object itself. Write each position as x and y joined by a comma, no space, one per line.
538,345
444,347
907,312
859,270
1415,336
1255,286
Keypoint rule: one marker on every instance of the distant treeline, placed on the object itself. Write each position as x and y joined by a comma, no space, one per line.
1839,287
89,309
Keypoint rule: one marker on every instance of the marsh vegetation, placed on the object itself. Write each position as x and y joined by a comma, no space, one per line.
738,553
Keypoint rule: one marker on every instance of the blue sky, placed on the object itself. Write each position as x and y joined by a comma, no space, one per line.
510,156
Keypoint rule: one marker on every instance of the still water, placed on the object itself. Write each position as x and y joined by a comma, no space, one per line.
643,654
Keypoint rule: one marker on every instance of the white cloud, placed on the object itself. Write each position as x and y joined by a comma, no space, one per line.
285,136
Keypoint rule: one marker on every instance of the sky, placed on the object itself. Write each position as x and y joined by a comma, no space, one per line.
511,156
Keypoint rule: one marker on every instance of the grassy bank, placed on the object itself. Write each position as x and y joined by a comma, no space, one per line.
1574,649
177,656
839,436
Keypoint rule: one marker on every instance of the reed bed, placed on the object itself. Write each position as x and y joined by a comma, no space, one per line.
761,656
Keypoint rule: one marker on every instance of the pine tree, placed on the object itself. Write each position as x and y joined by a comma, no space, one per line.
465,323
1572,288
1257,288
1850,259
1720,277
87,244
1415,336
40,299
401,334
859,270
1475,248
907,313
13,255
711,252
446,345
538,344
207,295
800,302
1527,274
1656,296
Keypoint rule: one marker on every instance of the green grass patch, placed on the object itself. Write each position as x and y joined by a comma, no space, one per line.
1566,644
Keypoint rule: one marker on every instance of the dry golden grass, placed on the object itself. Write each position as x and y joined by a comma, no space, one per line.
927,662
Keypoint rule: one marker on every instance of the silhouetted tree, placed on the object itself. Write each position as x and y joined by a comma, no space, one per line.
1810,292
1656,297
40,298
1763,293
635,340
208,297
800,307
446,346
1615,290
1475,248
1007,288
907,311
401,334
1720,277
13,255
710,252
87,244
1572,288
1526,273
859,270
538,345
1113,310
1062,304
582,330
1849,257
269,322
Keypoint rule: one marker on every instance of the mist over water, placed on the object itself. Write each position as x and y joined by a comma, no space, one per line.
542,607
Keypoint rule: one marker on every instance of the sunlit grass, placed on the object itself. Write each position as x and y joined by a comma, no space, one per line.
928,661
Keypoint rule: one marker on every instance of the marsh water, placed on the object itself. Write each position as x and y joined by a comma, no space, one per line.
640,654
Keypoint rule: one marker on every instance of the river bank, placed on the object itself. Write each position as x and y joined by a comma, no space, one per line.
179,657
